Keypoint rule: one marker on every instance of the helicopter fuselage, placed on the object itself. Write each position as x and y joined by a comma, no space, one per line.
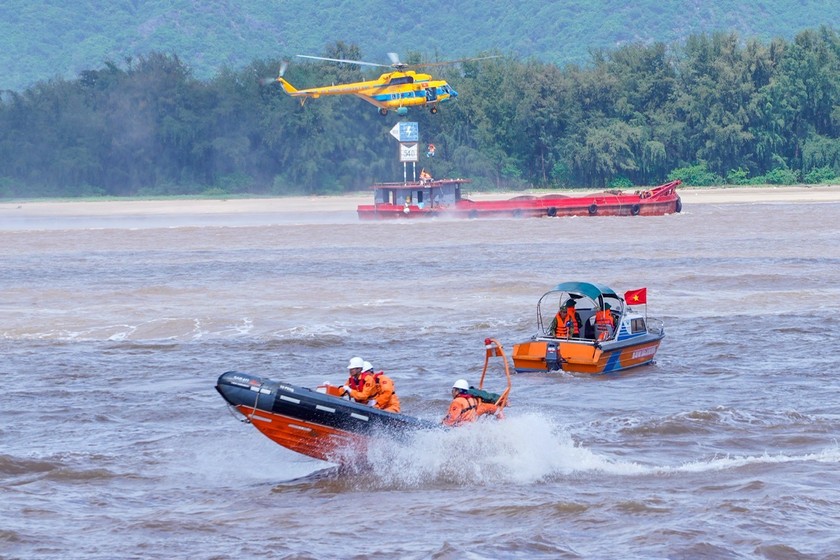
392,91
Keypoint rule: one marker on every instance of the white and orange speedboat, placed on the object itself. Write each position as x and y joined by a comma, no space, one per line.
632,339
320,423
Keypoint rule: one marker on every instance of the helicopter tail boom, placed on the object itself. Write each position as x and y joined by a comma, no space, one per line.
287,87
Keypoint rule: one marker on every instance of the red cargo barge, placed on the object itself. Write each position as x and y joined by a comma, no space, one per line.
443,198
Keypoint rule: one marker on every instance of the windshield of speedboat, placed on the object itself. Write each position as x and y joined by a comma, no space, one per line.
550,303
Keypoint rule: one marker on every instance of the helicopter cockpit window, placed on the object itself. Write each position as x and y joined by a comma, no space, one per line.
401,80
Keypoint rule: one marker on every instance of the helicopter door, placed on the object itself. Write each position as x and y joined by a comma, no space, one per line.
431,94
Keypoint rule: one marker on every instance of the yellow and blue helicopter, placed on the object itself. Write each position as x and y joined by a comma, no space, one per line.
392,91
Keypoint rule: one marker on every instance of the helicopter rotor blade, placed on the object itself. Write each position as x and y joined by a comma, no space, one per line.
344,60
447,62
396,63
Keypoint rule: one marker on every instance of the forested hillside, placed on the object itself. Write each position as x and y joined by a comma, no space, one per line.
42,39
719,108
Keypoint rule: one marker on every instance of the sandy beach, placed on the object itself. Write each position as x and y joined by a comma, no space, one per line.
348,203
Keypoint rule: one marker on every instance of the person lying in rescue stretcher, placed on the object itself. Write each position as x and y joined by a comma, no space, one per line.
364,386
466,407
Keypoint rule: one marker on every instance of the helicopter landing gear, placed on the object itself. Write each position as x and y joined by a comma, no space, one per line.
383,112
433,110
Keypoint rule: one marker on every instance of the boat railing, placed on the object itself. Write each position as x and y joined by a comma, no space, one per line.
661,191
655,326
414,184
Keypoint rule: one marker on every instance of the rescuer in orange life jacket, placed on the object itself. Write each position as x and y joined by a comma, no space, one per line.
604,323
566,317
364,385
467,408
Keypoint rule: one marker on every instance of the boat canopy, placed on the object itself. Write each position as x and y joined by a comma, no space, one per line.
590,290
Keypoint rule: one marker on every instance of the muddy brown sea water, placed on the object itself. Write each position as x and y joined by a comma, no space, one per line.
114,443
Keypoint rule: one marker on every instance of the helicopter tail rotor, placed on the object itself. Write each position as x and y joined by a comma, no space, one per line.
287,87
266,81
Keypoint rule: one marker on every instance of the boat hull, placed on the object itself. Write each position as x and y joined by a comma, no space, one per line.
658,201
308,422
584,356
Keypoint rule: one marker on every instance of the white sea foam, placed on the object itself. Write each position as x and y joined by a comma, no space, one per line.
831,455
519,450
524,450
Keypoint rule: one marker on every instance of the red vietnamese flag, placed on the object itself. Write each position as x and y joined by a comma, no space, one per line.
634,297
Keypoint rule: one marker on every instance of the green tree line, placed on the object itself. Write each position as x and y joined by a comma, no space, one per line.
713,110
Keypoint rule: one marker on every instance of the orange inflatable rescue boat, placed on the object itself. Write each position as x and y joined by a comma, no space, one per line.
320,423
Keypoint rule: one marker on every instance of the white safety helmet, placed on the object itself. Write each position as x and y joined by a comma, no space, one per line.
461,384
356,362
367,366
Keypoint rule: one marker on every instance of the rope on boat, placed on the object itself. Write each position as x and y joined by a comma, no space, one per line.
246,418
256,401
238,415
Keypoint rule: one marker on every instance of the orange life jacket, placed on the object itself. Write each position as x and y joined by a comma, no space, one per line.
386,396
378,387
561,330
357,383
462,409
466,408
604,321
